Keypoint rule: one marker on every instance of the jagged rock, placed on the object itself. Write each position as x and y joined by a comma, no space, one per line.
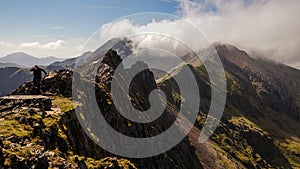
110,62
112,59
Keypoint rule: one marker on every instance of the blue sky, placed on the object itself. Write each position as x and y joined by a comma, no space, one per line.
27,20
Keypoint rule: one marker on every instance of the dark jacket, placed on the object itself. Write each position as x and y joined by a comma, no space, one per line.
37,74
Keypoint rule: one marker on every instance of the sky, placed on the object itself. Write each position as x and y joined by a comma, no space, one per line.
44,28
264,28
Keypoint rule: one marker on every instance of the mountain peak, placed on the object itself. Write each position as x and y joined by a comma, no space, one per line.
112,59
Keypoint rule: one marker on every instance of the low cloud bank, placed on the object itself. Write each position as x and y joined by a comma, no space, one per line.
264,28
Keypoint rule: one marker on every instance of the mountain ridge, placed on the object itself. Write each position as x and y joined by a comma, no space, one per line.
26,60
258,128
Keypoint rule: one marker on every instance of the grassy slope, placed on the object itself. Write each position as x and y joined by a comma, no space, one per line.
261,117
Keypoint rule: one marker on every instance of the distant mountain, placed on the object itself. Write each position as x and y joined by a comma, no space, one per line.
26,60
4,65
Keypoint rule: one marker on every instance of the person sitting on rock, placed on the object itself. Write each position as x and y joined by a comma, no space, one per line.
37,76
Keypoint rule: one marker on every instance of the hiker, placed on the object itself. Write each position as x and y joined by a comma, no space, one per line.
37,76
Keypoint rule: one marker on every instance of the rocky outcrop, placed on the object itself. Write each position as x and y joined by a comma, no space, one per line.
107,67
55,83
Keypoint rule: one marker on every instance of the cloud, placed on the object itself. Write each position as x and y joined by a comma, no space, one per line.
54,45
50,45
5,44
63,48
269,28
30,45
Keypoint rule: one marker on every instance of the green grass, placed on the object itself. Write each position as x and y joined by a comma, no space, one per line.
106,162
291,149
65,104
13,127
244,122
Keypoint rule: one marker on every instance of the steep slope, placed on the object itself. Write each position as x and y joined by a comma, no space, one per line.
278,80
261,93
260,124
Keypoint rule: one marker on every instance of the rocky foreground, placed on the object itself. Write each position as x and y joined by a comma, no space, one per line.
36,133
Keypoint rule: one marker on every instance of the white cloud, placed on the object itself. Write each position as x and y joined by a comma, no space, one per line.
269,27
30,45
54,45
168,30
63,48
4,47
5,44
50,45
